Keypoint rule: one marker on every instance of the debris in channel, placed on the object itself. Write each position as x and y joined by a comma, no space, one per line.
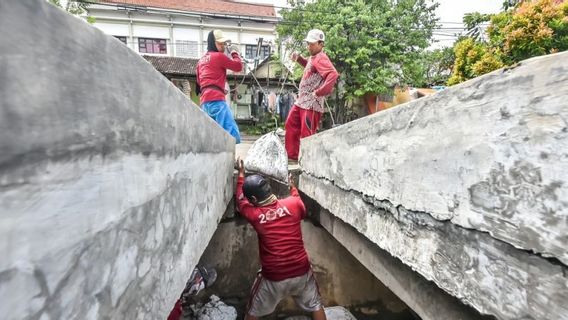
268,157
215,309
331,313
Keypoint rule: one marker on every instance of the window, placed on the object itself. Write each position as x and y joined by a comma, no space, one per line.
146,45
122,39
250,51
185,48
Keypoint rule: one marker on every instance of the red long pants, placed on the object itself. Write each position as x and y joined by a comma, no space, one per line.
300,123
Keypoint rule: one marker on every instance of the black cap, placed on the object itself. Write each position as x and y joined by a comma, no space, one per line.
256,186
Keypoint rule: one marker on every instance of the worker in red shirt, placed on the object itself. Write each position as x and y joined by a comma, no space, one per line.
286,269
317,82
211,78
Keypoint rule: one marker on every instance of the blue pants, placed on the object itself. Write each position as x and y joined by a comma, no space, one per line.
220,112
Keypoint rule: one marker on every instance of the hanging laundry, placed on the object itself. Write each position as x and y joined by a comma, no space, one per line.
272,102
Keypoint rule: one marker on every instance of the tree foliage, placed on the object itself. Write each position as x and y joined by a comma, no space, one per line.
526,29
473,23
472,59
432,68
74,7
371,42
533,28
510,4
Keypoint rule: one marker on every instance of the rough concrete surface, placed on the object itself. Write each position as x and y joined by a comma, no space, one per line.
421,295
331,313
100,156
215,309
469,187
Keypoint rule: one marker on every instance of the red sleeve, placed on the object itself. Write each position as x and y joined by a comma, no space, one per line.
294,192
299,204
302,61
245,207
326,69
233,63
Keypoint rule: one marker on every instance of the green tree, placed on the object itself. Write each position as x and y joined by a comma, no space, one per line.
510,4
525,29
472,59
473,23
74,7
533,28
432,68
371,42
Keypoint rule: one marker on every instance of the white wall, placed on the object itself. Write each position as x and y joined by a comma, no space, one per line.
114,29
158,26
186,33
150,31
252,38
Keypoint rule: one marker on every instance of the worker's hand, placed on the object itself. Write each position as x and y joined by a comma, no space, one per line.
294,56
234,49
291,181
314,95
241,167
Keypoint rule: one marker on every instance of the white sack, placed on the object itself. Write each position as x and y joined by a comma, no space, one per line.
268,157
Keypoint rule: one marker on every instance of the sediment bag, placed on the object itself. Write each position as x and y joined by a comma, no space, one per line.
268,157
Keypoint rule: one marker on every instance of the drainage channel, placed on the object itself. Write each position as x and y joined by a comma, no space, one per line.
343,281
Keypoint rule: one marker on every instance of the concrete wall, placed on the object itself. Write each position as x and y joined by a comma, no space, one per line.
112,182
468,187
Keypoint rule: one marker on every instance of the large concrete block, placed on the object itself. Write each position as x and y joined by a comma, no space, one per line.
469,187
112,182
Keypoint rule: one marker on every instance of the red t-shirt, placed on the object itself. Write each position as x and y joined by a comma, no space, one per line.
212,74
280,243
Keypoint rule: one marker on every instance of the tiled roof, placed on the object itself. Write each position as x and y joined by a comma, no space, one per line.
208,6
178,66
173,65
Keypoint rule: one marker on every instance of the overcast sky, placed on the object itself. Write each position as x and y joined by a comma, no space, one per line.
451,13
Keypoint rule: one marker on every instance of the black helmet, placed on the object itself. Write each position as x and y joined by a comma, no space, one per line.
256,186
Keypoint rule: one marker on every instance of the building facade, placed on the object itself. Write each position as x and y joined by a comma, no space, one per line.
172,35
179,28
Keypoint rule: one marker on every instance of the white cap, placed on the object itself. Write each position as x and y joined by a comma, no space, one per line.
219,37
315,35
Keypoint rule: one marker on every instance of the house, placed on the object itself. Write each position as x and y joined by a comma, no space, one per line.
179,28
180,71
172,34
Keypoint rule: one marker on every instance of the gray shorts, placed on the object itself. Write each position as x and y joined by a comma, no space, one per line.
266,294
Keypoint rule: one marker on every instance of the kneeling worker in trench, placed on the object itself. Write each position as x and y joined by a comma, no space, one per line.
286,269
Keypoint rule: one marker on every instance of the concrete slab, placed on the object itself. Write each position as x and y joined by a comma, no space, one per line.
100,216
469,187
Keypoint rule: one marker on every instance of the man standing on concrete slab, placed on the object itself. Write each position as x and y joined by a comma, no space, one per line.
317,82
212,76
286,269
